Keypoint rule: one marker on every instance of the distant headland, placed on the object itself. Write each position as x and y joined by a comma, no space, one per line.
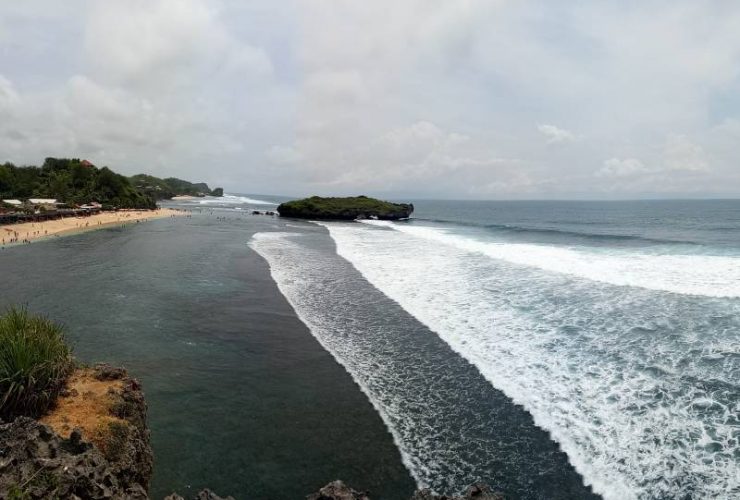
64,183
349,208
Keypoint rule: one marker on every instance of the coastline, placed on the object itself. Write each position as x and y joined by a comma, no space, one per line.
27,232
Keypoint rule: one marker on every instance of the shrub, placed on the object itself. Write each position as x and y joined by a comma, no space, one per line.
35,362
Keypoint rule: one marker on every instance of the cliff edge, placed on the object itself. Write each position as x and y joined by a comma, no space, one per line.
93,444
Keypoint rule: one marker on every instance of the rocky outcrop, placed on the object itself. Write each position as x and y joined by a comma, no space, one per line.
477,491
36,463
349,208
203,495
337,490
110,459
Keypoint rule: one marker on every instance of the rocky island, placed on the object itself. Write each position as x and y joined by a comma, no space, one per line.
349,208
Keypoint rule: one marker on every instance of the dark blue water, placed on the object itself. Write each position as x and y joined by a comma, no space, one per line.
712,223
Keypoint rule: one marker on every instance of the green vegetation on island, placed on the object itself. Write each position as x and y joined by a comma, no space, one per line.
349,208
35,361
162,189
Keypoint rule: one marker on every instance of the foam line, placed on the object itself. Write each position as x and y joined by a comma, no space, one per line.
639,387
689,274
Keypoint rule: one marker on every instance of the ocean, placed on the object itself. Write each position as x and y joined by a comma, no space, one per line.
552,349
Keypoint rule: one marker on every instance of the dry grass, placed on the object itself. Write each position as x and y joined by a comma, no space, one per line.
86,405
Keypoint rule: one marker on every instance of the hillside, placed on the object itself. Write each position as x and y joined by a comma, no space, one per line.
73,182
162,189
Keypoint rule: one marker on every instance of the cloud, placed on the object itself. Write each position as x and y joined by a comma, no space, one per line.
8,96
166,43
556,135
617,167
415,97
679,166
680,154
399,159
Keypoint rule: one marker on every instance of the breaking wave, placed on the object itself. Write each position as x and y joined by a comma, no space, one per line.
691,274
230,199
639,386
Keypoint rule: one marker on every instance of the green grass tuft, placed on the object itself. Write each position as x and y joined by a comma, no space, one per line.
35,361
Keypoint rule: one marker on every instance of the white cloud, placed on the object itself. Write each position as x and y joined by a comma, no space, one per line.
284,155
680,166
166,43
556,135
681,154
8,96
617,167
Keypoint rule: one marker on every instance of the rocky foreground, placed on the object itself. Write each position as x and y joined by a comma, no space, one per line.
95,445
337,490
112,458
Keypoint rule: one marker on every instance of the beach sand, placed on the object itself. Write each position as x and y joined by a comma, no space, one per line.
30,231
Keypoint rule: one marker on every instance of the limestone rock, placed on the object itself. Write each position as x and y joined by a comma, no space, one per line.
337,490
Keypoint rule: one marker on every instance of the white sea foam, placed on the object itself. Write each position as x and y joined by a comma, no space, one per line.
446,420
230,199
639,387
276,248
709,275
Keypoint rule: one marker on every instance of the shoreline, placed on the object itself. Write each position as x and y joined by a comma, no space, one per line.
28,232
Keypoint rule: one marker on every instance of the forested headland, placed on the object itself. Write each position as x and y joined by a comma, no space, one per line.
77,182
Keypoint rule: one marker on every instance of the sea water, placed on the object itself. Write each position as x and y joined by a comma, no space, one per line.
544,347
615,325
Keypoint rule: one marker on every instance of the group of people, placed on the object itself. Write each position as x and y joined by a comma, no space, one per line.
15,237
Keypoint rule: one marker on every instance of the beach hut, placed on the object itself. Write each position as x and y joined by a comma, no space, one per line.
44,203
93,205
15,203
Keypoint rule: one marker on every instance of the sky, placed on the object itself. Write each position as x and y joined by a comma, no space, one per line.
461,99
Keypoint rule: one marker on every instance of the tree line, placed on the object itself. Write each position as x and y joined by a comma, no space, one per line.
76,182
73,182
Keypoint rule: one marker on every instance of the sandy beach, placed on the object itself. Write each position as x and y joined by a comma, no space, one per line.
30,231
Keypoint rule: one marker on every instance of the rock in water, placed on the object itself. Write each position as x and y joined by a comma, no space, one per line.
477,491
349,208
337,490
203,495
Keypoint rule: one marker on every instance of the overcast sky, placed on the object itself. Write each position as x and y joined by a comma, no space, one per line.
403,98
